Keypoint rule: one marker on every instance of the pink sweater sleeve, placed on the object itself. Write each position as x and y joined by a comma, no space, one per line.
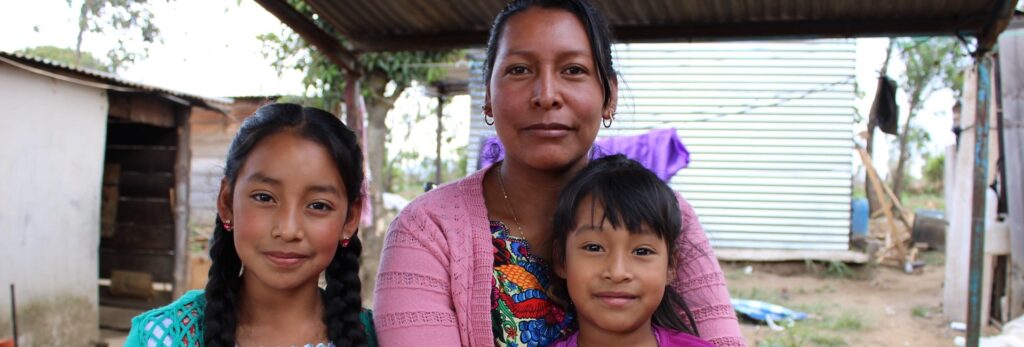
701,283
412,301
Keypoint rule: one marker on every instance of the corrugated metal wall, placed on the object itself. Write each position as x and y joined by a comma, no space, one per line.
768,126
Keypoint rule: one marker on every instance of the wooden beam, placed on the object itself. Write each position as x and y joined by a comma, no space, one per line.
980,185
1011,56
999,18
328,45
693,32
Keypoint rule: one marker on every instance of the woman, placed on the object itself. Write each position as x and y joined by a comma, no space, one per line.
467,263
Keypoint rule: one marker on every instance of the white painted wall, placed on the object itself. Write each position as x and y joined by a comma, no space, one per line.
52,136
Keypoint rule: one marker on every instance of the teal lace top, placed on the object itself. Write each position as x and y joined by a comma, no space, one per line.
180,324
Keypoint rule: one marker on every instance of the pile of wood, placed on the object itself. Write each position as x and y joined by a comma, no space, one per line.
895,236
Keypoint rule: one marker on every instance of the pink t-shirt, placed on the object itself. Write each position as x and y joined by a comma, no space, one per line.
665,338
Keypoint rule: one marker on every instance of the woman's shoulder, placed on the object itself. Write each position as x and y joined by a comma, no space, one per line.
177,322
463,194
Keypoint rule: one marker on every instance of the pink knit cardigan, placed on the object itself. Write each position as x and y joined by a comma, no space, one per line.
434,281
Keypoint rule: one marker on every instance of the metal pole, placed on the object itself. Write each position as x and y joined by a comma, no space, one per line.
14,316
981,129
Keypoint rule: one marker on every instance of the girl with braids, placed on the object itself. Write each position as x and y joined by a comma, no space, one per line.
468,263
615,228
288,209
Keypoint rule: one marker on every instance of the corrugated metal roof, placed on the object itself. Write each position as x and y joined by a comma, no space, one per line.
110,81
422,24
769,126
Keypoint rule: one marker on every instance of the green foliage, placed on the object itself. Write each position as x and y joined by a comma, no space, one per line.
838,269
934,258
933,172
931,64
819,330
325,81
920,312
126,18
67,56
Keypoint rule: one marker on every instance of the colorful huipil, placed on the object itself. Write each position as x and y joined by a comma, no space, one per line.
521,312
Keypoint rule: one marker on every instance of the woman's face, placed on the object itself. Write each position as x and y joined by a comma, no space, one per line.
290,211
545,92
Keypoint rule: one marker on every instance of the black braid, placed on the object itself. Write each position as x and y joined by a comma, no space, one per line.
221,312
342,301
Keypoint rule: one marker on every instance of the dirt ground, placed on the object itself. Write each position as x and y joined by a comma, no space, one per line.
856,305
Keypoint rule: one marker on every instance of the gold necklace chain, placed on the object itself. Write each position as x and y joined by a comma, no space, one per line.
508,202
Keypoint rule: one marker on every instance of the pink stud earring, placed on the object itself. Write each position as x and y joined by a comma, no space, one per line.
228,226
344,242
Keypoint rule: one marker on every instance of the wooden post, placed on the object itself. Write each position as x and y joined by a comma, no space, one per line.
182,164
979,186
958,212
440,130
355,108
1011,54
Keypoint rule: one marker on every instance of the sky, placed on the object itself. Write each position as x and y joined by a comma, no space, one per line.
210,48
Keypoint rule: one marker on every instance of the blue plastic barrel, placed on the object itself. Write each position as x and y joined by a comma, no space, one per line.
859,226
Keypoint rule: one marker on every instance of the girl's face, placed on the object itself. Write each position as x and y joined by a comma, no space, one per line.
289,210
616,279
545,93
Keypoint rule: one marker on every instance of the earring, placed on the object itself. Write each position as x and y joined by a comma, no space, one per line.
228,226
487,114
607,122
344,242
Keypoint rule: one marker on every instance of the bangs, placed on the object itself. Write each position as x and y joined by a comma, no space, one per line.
632,197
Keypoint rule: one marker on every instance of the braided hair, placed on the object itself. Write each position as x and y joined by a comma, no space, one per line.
341,298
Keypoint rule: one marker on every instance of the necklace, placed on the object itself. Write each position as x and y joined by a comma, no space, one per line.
508,202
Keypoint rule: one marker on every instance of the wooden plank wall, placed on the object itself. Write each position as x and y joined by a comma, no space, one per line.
146,153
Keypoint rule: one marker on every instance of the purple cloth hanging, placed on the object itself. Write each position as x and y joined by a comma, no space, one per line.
659,150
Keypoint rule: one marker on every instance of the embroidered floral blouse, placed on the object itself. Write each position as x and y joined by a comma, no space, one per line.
521,312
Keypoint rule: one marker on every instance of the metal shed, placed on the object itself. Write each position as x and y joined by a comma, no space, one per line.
768,126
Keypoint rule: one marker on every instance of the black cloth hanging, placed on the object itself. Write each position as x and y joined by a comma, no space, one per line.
884,110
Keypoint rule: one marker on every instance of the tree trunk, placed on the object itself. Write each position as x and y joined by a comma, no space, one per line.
377,107
898,179
869,191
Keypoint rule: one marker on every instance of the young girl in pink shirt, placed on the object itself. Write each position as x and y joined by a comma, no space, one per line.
615,230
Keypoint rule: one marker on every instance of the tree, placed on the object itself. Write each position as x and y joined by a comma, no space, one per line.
128,17
932,64
67,56
385,75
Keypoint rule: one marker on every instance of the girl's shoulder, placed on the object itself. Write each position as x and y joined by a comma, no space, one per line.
177,324
669,337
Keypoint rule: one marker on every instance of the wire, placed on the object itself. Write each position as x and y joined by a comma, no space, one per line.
749,108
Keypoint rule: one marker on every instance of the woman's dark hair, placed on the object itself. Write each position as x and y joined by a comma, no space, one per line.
635,198
341,298
593,22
